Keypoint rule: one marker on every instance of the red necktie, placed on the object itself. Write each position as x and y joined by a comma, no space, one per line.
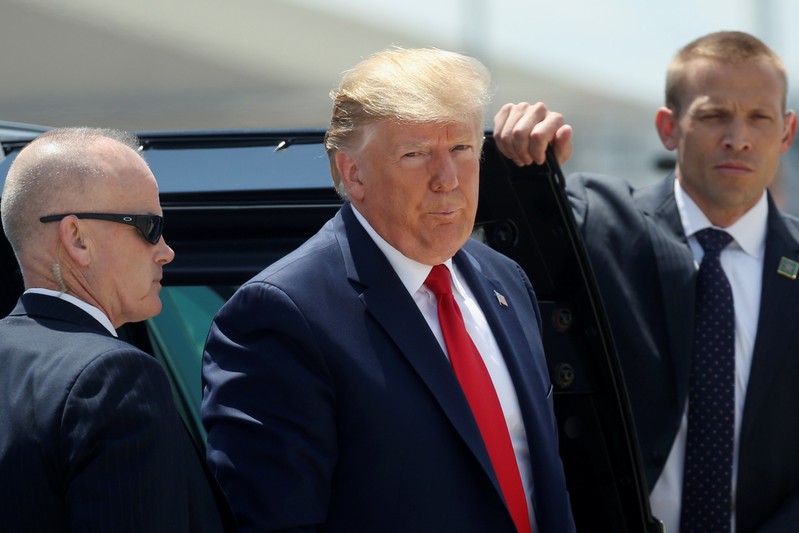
479,390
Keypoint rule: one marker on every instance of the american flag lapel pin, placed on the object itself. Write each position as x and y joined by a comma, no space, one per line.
788,268
501,299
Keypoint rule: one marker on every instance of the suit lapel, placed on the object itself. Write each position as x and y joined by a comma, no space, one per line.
385,298
501,317
774,342
676,272
510,335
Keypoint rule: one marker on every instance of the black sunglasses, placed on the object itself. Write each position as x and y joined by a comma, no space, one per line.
150,226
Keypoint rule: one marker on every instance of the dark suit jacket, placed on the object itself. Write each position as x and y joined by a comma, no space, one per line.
89,436
646,275
330,406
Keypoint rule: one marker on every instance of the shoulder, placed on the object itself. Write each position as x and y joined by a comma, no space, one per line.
791,221
783,227
119,383
76,380
613,186
63,350
603,202
491,263
310,258
283,292
65,361
484,254
115,353
117,369
584,185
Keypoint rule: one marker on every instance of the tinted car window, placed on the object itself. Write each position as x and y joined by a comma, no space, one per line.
239,168
265,162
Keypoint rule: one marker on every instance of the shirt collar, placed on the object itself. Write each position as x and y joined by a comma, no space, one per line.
411,273
92,310
749,231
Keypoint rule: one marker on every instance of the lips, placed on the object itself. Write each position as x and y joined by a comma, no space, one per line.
445,209
734,166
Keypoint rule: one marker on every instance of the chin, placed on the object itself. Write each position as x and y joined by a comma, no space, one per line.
151,311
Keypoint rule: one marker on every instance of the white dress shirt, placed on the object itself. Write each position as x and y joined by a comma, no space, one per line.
742,262
92,310
413,274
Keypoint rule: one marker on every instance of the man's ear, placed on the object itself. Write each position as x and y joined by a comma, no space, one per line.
348,170
74,240
666,124
790,131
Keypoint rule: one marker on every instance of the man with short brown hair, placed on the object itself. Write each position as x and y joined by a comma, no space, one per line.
697,273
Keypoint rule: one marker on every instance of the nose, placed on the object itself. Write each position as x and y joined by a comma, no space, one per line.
444,172
165,254
738,135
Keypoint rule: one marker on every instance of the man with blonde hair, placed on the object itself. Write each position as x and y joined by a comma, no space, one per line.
389,374
91,439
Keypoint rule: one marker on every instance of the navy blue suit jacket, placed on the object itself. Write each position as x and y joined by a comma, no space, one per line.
330,405
646,275
89,436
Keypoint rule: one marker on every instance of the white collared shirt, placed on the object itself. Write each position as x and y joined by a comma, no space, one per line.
413,274
92,310
742,262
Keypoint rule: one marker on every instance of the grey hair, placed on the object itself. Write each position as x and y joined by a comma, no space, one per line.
58,164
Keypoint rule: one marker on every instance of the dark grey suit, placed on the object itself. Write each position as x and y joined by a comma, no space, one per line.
90,437
646,276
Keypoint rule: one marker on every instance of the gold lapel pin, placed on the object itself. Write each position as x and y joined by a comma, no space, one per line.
788,268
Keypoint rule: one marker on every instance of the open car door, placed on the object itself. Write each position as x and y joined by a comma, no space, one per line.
525,214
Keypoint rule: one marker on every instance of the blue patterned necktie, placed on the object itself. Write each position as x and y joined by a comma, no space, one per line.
707,483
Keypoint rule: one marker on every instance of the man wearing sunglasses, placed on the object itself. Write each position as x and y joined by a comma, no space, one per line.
91,439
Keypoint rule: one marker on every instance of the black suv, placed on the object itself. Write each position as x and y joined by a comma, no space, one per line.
234,202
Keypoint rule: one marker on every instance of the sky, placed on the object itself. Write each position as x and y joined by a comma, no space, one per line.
618,46
195,64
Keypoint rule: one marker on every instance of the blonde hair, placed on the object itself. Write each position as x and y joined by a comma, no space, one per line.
729,47
408,86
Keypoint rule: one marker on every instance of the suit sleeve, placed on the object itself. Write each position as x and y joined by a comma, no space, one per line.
269,412
125,456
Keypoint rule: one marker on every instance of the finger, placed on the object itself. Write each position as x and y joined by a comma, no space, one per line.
505,123
563,145
527,132
513,126
542,134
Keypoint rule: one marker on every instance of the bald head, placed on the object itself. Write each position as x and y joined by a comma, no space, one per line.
105,262
65,169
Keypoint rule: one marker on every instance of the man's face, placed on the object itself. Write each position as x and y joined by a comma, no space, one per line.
126,270
729,135
417,185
